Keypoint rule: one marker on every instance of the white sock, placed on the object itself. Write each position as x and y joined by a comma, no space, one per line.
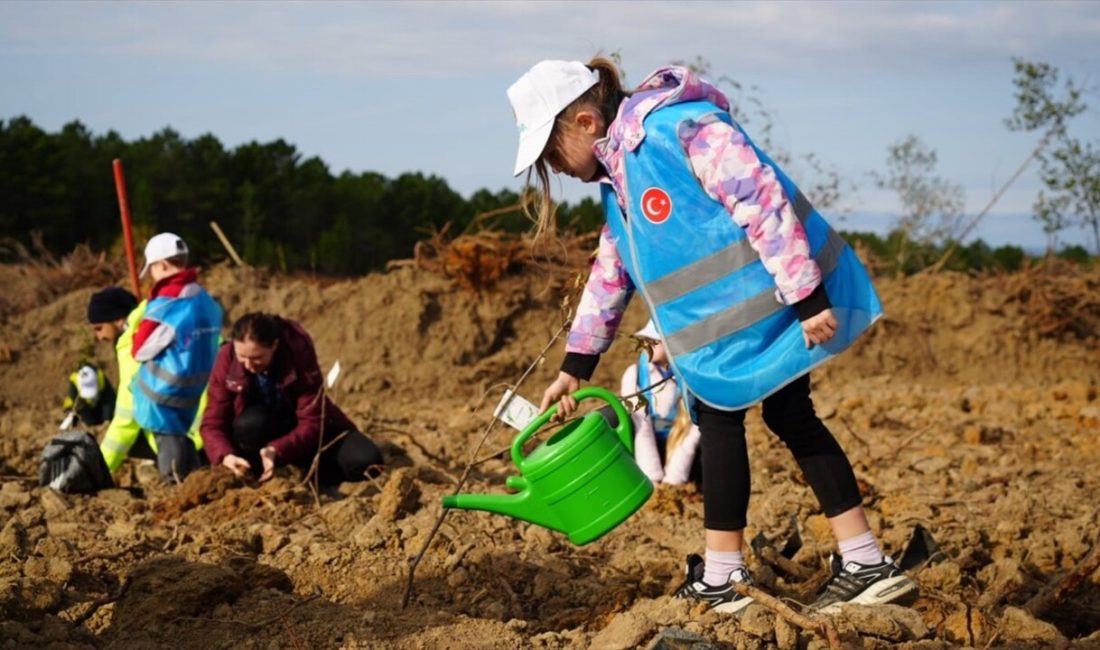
645,447
861,548
719,565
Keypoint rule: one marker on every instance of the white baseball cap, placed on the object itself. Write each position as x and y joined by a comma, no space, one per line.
537,98
648,332
87,383
161,247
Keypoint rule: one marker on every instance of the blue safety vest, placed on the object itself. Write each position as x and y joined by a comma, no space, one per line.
662,424
167,388
731,341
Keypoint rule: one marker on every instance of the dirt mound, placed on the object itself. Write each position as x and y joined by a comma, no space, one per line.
970,410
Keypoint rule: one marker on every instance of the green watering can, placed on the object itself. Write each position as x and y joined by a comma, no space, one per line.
583,481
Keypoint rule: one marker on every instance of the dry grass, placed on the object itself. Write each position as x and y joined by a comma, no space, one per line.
477,261
36,277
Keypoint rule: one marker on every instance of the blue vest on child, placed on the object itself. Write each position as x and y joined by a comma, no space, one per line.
731,341
662,424
167,388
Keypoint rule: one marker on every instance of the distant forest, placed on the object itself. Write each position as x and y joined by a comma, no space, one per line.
280,210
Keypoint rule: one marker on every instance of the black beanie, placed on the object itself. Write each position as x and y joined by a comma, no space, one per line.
110,304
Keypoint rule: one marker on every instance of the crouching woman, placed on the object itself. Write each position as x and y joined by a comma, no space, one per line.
265,407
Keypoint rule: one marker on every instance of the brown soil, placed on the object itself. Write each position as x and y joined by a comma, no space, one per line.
971,410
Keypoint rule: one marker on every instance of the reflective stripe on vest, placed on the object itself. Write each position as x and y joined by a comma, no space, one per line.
755,309
718,265
115,446
170,401
167,376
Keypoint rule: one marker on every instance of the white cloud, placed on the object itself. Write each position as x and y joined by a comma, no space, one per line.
461,39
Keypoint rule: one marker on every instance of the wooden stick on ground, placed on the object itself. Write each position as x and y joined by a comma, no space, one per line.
822,627
894,449
774,557
114,556
1055,592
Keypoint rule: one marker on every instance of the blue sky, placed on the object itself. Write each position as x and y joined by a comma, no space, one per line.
420,86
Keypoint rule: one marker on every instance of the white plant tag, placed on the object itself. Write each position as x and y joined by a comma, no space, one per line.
333,373
515,411
68,422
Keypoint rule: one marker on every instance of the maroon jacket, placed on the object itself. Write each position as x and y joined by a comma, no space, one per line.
295,369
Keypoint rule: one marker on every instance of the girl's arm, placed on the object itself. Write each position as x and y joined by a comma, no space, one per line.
602,305
599,312
730,172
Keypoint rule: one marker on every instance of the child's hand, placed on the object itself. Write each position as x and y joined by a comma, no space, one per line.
562,388
818,328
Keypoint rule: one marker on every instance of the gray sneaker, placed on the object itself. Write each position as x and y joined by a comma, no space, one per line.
863,584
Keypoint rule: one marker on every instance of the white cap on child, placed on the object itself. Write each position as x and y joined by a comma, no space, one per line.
648,332
537,98
161,247
87,383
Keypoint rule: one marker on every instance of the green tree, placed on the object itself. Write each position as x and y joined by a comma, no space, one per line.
251,222
1075,253
1069,168
931,206
278,208
35,196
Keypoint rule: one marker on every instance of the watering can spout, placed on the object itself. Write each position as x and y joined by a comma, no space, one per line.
520,506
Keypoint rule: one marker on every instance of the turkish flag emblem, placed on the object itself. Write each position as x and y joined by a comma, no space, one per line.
656,205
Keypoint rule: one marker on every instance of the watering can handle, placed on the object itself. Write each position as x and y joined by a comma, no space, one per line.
623,430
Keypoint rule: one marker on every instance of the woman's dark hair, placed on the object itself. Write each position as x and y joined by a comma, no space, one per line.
258,326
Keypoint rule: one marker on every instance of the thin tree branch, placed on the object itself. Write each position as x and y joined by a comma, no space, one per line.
822,627
469,466
935,268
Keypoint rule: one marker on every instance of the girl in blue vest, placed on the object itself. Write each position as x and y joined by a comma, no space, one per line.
747,286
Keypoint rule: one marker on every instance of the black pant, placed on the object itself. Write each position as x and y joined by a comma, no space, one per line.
789,413
176,456
348,460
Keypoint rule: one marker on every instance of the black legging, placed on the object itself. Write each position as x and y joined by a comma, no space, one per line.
347,460
789,413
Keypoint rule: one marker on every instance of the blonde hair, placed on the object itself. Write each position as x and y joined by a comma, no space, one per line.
604,97
680,428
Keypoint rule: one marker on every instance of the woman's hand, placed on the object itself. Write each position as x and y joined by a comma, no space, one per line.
267,457
236,464
561,389
819,328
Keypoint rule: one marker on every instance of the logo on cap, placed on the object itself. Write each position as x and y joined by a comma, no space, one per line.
656,205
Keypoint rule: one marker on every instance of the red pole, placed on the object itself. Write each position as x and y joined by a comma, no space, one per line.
127,232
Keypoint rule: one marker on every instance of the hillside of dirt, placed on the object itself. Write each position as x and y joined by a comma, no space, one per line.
970,413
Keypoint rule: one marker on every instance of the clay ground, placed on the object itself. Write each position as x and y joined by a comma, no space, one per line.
970,410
